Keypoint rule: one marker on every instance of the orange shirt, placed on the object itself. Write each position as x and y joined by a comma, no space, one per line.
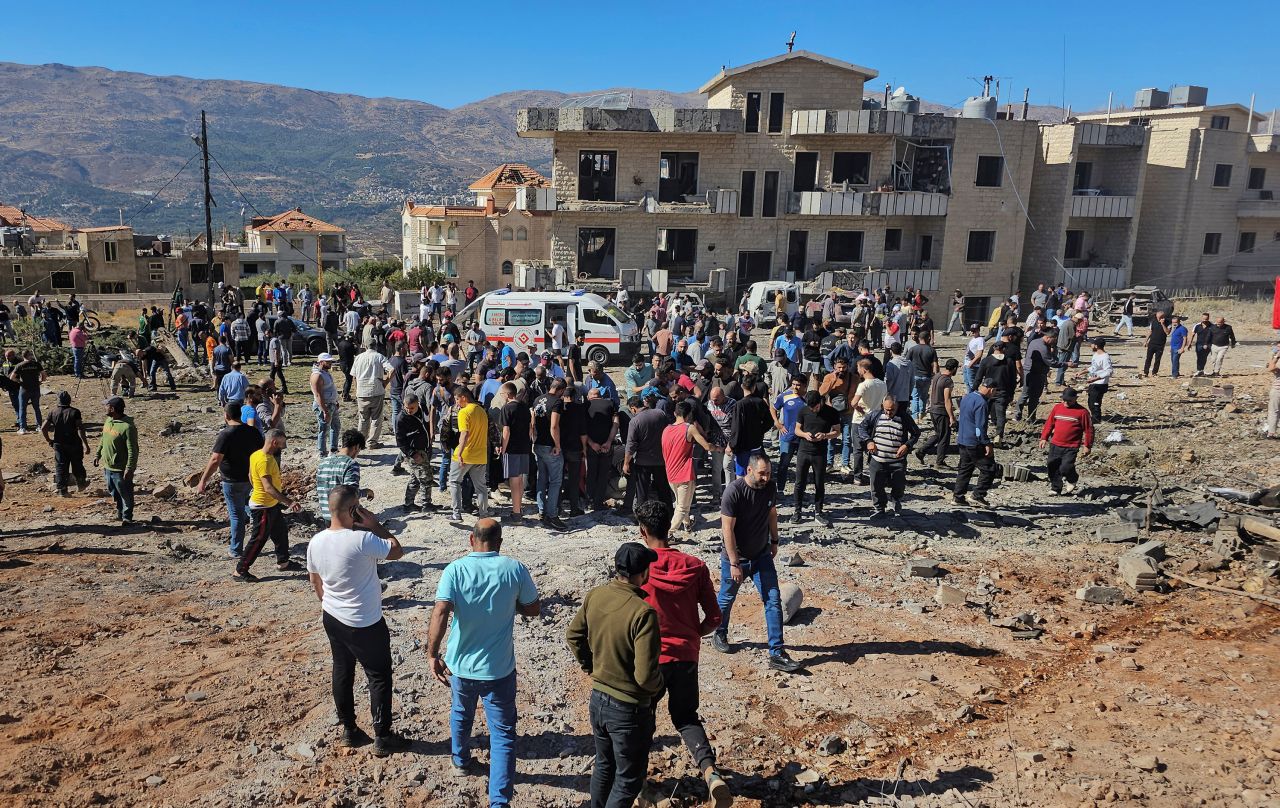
209,344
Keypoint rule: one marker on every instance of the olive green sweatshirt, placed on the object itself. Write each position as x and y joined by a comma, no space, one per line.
615,639
119,448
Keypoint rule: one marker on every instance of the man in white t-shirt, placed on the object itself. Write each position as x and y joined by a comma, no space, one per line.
973,354
867,399
557,336
342,563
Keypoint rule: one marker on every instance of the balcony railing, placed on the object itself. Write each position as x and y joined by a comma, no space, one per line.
545,121
1102,207
867,203
871,122
1258,208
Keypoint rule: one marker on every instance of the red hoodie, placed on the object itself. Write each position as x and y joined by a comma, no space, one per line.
678,585
1068,426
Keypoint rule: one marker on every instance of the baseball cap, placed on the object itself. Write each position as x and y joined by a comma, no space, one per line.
633,558
326,357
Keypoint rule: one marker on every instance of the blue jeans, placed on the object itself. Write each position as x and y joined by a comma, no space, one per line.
970,380
499,699
919,395
764,575
550,478
121,491
395,412
331,429
1175,359
786,451
846,434
1063,357
236,496
77,362
26,397
446,463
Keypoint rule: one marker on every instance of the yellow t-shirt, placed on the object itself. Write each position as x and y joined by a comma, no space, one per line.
473,420
263,465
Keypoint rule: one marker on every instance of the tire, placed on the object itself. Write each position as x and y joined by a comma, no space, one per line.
91,322
317,346
598,353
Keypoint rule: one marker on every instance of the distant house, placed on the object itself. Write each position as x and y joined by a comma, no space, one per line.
481,242
48,233
292,242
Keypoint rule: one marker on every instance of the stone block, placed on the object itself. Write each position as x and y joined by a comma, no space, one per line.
949,596
1139,570
923,568
1152,549
1122,532
792,597
1105,595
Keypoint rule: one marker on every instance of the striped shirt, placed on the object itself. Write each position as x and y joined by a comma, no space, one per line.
336,469
888,437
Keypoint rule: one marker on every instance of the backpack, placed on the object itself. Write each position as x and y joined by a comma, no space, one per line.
449,429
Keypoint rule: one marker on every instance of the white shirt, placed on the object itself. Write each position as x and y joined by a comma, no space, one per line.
974,350
368,370
557,337
1100,368
347,563
352,321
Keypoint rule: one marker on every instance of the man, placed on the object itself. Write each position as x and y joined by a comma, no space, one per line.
573,446
602,431
941,415
599,380
1177,345
924,366
1126,314
371,371
957,311
29,374
79,340
118,454
749,528
471,457
888,434
346,358
232,448
975,446
1039,298
1272,428
1001,365
413,439
482,592
241,333
557,337
751,421
340,468
233,385
866,400
1201,336
324,403
517,444
277,356
401,372
817,424
638,376
1041,357
644,452
678,440
1155,344
1068,431
616,639
1221,337
792,347
785,409
64,432
547,412
974,351
679,586
342,564
267,505
1099,379
899,374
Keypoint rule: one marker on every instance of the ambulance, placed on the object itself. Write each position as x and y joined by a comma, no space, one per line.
524,320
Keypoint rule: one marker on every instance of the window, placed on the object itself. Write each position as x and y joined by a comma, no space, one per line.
112,288
769,205
200,273
17,269
156,275
776,101
508,268
678,252
452,233
1075,245
404,231
596,251
990,167
1220,122
1257,178
17,282
844,245
524,316
747,199
110,251
268,241
597,175
451,267
522,234
295,244
596,317
677,176
1222,175
753,112
1212,243
893,239
294,269
982,246
806,178
1247,240
851,167
1084,176
65,280
495,316
506,234
797,252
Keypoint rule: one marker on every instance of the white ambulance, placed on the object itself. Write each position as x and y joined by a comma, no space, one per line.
525,319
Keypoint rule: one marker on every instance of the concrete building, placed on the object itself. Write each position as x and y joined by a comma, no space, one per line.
787,173
1208,213
487,241
290,243
46,232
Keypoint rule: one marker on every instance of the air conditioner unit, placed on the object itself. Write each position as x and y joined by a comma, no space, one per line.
631,279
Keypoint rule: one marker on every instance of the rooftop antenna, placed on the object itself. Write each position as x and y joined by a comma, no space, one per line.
791,41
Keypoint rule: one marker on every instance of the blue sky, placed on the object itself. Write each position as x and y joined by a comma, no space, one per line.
455,52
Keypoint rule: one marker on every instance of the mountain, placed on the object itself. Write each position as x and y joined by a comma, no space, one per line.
88,145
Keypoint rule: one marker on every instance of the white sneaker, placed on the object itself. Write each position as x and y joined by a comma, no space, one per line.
1068,488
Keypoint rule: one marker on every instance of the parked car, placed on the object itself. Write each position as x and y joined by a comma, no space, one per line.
307,339
1147,299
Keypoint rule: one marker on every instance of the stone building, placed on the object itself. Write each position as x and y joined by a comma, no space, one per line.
785,174
292,242
483,242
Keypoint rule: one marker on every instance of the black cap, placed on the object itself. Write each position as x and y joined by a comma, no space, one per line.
633,558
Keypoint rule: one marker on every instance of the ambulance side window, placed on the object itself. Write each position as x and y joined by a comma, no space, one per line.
597,317
495,317
524,316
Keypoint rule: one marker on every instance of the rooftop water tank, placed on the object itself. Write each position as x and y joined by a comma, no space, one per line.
903,101
979,107
1189,96
1150,98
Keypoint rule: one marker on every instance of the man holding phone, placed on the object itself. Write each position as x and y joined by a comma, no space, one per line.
342,563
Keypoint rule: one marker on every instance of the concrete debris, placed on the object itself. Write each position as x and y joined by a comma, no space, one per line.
806,777
793,560
167,491
963,715
1031,757
1015,472
1027,634
1124,531
923,568
792,598
1152,549
914,608
1114,436
1147,763
832,745
1104,595
1139,571
949,596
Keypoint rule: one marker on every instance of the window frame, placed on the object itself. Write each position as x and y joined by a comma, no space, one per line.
991,247
697,174
747,200
862,247
835,164
507,268
297,244
781,109
767,198
535,311
613,254
795,171
1214,239
522,233
999,176
1246,235
1066,245
748,126
63,274
110,252
1217,172
898,232
610,173
1224,119
1261,173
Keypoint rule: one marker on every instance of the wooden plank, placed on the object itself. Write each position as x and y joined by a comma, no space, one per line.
1260,529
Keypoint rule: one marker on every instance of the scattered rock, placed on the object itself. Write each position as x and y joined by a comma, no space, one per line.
963,715
923,568
792,598
1031,757
1060,745
1105,595
197,695
1121,532
155,780
304,751
1139,571
832,745
47,509
949,596
807,777
794,560
1146,763
166,491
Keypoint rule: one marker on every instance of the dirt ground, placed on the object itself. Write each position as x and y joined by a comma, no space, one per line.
136,672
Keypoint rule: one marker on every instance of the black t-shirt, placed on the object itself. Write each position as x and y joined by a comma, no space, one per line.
600,412
66,426
877,367
235,444
823,419
399,366
922,358
750,507
573,425
1158,336
543,407
29,371
813,345
575,360
515,414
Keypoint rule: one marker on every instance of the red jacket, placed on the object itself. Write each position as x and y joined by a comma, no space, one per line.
1070,426
678,585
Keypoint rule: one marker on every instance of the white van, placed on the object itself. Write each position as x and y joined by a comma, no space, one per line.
524,320
760,296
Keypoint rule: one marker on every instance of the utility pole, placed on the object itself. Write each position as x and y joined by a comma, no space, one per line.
208,212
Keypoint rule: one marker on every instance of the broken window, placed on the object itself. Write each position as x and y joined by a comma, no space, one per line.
775,112
677,176
1247,242
63,280
844,245
806,177
1075,245
747,201
797,252
982,246
678,252
109,251
769,204
595,251
1084,176
200,273
990,168
597,176
1222,175
753,112
893,239
851,167
1212,243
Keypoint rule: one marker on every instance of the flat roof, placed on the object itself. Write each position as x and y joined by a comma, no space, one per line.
1167,112
729,72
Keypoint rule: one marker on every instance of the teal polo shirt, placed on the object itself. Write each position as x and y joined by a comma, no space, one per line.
484,589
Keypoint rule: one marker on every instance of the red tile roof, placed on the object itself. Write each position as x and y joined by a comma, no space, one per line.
510,175
293,221
442,211
12,217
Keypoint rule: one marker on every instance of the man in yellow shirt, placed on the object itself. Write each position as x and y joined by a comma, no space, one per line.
267,506
471,457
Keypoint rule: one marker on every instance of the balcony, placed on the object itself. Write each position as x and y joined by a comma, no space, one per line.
528,198
871,122
1102,207
1258,209
1101,134
547,121
1264,142
867,203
